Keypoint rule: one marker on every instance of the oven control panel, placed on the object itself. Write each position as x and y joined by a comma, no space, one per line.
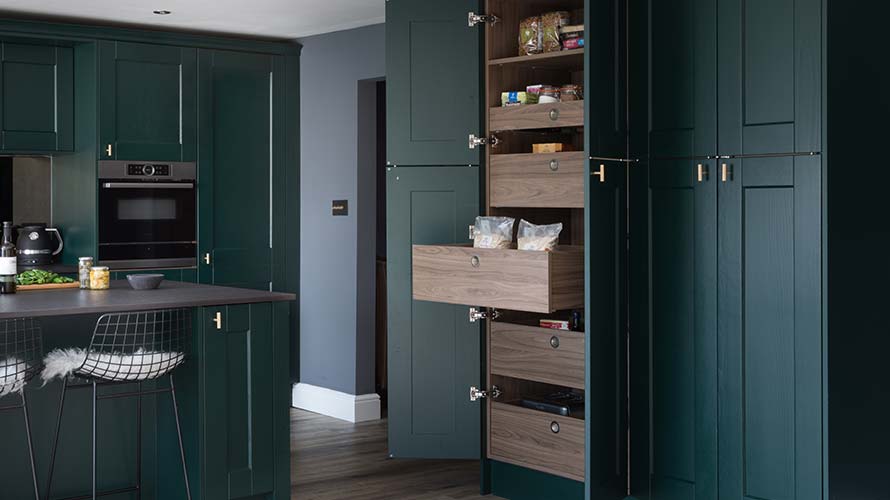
148,169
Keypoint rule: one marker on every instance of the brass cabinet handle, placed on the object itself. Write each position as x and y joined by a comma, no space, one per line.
108,149
554,114
554,427
207,258
554,165
218,320
702,172
474,261
554,342
726,172
601,173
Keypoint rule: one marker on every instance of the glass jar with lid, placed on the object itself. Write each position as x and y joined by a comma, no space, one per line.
84,264
100,278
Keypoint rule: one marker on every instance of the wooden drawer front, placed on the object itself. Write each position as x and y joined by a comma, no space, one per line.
532,116
539,354
508,279
524,437
538,180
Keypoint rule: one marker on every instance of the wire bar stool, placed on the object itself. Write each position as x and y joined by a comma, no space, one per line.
21,350
126,348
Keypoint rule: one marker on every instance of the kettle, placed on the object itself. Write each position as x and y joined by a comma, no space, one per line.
35,246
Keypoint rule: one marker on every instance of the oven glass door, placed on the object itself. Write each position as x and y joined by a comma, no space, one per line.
146,213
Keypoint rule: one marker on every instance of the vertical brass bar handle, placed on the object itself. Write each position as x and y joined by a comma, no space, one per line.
218,320
723,172
702,172
108,149
601,172
726,173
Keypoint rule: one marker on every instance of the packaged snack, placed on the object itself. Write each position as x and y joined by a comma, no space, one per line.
551,23
493,232
571,92
538,238
550,147
573,43
530,36
514,98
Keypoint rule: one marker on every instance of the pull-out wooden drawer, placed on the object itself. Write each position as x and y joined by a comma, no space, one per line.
540,354
518,280
537,440
532,116
537,180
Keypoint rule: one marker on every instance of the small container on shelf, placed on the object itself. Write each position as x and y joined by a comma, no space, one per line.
84,264
100,278
550,147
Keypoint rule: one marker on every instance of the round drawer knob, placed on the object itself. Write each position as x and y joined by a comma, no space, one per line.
554,342
554,114
554,427
554,165
474,261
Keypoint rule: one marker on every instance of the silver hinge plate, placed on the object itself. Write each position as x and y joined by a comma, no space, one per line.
482,141
473,19
477,314
476,394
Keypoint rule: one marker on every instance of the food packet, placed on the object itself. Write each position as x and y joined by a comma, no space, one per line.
493,232
540,238
551,22
531,39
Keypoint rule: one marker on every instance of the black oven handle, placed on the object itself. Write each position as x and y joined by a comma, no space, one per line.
148,185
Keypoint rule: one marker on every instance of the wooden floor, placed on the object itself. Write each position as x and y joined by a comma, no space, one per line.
336,460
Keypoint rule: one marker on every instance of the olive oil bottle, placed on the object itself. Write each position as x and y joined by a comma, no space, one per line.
8,270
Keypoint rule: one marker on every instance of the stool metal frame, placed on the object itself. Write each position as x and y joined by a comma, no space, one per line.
21,349
129,348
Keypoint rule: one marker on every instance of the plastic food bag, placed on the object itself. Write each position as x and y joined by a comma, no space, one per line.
493,232
540,238
551,22
531,37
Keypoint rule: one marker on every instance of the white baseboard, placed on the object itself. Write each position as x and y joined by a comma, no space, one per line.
349,407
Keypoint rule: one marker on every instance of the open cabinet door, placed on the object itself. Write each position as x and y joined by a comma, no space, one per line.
434,351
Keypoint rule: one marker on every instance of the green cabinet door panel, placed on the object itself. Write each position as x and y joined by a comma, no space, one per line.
683,272
432,82
770,311
240,408
147,102
37,107
240,98
683,72
434,351
770,73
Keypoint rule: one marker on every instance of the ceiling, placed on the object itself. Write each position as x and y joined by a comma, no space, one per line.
266,18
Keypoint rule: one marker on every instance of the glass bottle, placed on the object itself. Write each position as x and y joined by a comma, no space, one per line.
8,268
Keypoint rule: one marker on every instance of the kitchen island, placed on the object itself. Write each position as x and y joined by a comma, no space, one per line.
233,392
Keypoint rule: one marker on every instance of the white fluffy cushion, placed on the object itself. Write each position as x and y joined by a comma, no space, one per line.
140,365
12,375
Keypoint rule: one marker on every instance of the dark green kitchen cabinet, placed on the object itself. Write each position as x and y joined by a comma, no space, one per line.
770,329
683,72
683,270
770,76
432,83
434,351
240,421
242,108
37,106
147,102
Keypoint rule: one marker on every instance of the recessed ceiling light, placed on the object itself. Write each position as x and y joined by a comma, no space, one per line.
162,12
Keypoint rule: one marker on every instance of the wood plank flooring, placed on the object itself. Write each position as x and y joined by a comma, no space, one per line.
336,460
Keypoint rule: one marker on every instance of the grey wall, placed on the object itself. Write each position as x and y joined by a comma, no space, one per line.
334,349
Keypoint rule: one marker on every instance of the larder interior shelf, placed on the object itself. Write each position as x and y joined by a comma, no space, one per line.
554,180
518,280
565,59
536,116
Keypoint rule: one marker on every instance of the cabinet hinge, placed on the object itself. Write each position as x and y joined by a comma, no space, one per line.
476,314
473,19
476,394
483,141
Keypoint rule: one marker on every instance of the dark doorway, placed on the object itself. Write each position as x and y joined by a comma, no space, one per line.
380,324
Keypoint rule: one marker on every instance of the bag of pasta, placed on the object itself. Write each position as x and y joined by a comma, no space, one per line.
493,232
539,238
531,37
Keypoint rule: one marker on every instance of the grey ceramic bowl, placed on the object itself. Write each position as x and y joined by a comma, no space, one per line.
144,281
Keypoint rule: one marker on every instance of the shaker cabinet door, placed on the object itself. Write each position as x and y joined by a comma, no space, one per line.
770,74
432,82
770,329
683,270
37,105
147,102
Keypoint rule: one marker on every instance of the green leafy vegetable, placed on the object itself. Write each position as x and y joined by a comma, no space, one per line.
40,277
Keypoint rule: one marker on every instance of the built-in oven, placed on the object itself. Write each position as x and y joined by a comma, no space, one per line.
147,214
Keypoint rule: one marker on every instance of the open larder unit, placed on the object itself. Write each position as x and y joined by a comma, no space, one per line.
552,424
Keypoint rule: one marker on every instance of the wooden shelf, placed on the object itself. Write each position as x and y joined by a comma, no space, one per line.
564,59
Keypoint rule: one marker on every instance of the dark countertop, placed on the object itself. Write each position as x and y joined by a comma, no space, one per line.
121,298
